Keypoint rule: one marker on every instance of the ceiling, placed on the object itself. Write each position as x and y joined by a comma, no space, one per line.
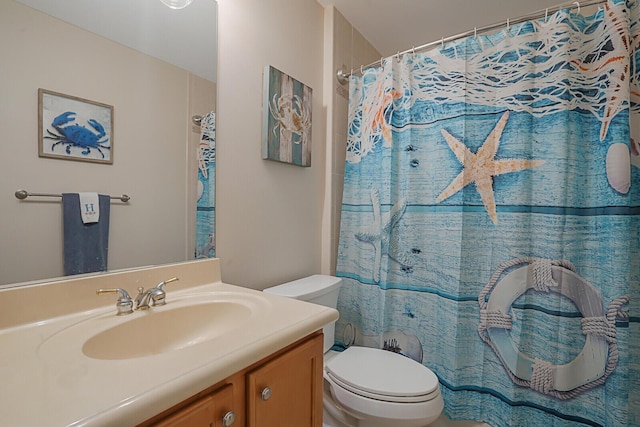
176,36
398,25
389,25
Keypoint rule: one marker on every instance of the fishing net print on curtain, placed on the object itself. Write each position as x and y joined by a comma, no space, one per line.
206,191
489,224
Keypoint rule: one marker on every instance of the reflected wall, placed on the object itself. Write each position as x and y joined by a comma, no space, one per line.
153,159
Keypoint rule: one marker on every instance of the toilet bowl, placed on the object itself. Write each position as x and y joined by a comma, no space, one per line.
363,386
381,388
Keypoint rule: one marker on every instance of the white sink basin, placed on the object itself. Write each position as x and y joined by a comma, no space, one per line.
181,323
167,330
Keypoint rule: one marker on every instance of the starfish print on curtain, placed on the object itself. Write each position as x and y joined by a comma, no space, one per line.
380,234
482,166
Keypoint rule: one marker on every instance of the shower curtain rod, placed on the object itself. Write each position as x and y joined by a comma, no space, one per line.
343,76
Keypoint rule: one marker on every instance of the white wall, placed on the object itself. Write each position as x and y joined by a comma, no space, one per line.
152,124
269,214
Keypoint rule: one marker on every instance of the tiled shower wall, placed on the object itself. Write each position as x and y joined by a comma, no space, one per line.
350,51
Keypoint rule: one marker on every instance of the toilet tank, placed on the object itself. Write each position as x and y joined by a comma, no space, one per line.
316,289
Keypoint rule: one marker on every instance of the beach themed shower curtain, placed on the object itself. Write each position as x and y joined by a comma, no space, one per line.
490,219
206,200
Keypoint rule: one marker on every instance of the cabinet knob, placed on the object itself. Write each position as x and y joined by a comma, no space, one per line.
228,419
266,393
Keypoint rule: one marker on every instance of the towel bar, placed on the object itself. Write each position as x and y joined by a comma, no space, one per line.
23,194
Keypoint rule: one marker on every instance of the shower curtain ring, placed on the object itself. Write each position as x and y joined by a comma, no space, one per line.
442,43
475,32
577,3
398,56
546,15
361,72
507,25
413,50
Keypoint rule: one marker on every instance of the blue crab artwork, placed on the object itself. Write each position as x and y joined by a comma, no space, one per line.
75,135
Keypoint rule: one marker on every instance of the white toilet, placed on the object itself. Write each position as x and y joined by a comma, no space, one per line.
367,387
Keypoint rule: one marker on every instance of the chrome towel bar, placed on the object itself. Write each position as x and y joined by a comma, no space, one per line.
23,194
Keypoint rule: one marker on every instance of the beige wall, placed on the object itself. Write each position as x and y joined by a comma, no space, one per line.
152,124
269,214
275,222
345,48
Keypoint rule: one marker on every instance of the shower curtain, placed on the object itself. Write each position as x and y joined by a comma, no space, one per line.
206,199
489,224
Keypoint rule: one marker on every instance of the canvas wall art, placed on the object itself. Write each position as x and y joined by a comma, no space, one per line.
286,112
73,128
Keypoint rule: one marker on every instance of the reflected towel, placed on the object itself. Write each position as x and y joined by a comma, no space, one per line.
85,245
89,207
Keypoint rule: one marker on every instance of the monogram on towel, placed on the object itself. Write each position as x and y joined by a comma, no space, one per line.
89,207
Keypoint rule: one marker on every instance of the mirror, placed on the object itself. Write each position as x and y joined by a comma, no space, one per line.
157,68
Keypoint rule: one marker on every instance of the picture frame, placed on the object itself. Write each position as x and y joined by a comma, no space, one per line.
73,128
286,119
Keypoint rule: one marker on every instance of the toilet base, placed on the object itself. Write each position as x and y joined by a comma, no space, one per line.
334,415
329,421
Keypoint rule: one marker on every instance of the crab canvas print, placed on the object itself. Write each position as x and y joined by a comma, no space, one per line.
73,128
286,113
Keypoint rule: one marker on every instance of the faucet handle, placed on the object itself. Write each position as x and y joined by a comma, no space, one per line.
161,284
124,304
158,294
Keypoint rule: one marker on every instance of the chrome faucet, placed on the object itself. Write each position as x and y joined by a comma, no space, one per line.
124,304
154,296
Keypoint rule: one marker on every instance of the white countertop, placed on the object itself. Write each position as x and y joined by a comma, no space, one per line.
47,380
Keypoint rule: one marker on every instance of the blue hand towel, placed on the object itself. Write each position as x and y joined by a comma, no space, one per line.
85,245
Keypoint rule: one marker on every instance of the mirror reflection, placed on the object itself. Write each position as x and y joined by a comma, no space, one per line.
156,67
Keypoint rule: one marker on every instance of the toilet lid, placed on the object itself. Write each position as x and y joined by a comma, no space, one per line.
382,373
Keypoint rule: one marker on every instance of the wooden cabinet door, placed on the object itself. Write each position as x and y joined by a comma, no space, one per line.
197,414
223,404
287,391
206,412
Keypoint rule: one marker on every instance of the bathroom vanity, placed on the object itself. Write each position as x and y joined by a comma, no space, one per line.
284,389
215,354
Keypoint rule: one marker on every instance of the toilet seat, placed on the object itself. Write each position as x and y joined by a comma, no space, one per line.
383,397
382,375
379,387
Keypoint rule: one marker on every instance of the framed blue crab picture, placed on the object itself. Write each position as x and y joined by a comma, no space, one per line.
286,119
73,128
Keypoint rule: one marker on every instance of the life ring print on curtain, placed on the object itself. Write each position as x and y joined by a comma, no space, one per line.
591,367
